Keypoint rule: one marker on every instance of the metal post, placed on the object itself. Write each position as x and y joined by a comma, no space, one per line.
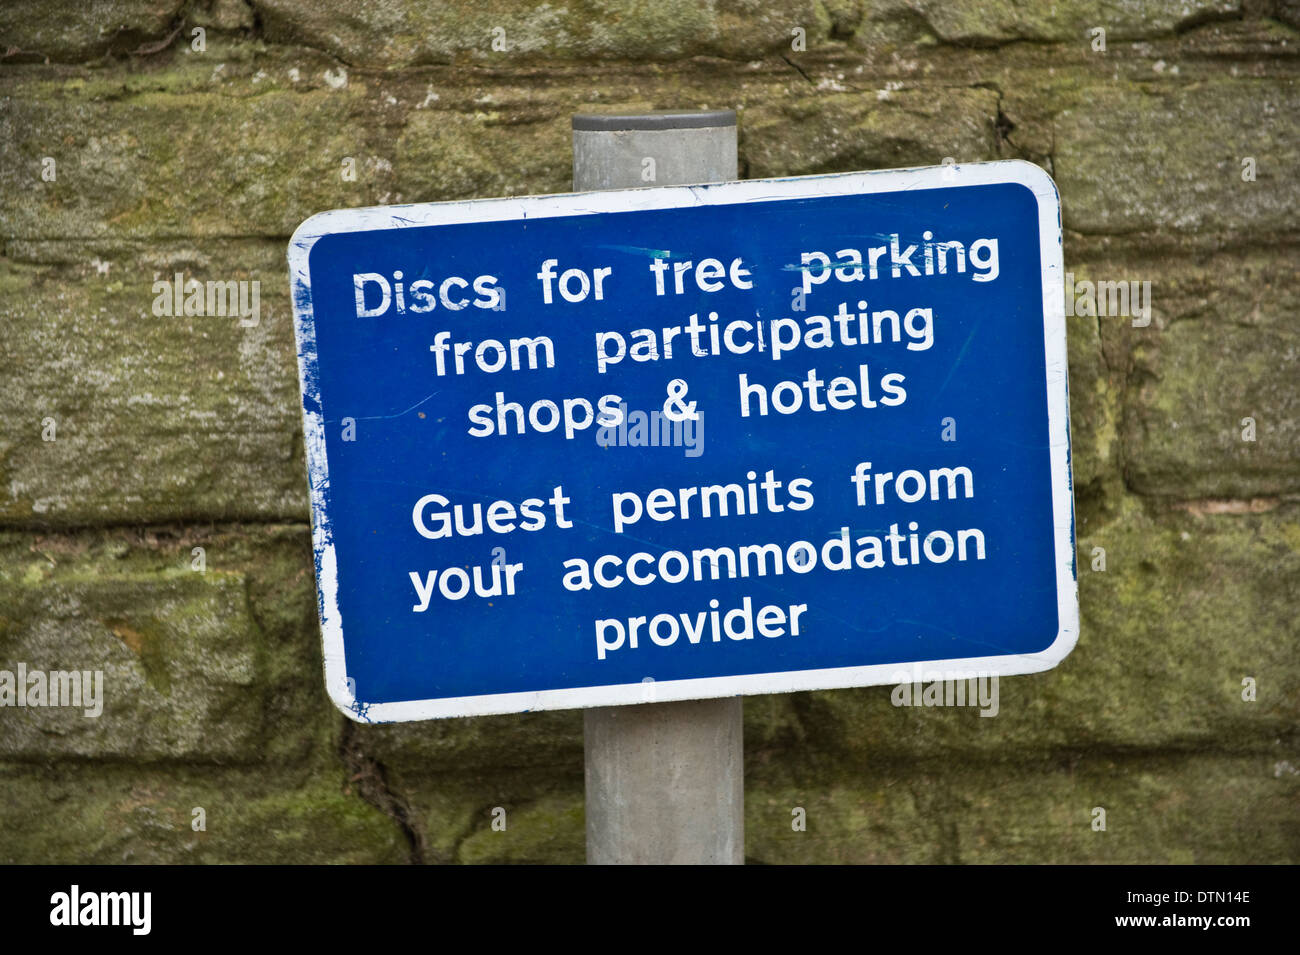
665,781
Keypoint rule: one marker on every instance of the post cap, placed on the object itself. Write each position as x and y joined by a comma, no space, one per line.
655,119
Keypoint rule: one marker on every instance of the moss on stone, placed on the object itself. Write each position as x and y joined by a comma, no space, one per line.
1204,810
103,814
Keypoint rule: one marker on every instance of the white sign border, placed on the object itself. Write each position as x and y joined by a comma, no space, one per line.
666,197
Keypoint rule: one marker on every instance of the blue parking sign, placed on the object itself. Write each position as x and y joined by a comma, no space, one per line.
688,441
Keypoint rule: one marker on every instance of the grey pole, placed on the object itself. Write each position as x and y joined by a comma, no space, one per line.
665,781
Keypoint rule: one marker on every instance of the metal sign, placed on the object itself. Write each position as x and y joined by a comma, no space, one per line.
687,442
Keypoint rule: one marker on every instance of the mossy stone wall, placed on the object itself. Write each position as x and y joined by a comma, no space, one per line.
177,433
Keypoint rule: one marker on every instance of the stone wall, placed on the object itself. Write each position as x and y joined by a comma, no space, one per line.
171,434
